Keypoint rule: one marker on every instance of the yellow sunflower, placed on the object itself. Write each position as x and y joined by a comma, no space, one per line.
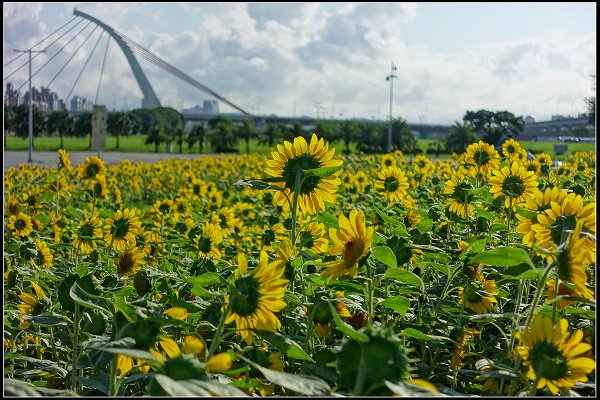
129,260
33,304
538,202
13,206
88,232
315,191
352,241
64,160
388,160
312,237
483,157
120,231
207,241
392,183
20,225
552,355
461,337
91,167
255,297
555,222
460,201
43,258
479,296
510,148
563,290
514,182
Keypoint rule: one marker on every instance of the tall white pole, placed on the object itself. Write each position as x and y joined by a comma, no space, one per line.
30,114
390,78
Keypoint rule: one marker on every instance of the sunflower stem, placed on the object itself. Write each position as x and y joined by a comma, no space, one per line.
297,186
112,371
509,216
362,370
538,293
556,283
217,338
75,349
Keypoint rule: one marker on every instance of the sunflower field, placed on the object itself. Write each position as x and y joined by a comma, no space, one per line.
302,273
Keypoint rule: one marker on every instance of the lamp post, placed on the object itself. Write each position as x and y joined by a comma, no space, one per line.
390,78
30,96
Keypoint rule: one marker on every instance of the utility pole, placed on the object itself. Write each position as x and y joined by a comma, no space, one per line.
390,78
30,99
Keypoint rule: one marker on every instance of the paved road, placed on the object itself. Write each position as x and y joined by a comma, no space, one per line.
50,158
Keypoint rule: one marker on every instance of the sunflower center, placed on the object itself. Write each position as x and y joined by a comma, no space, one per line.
391,184
126,264
563,223
461,193
513,186
245,300
164,208
510,149
120,227
388,162
92,170
481,157
86,230
548,361
20,224
98,188
204,244
303,161
268,237
352,252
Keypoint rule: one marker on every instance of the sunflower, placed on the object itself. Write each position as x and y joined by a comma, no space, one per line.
537,202
255,297
207,241
286,253
554,223
312,237
225,220
563,290
388,160
33,304
479,296
483,157
290,158
119,232
393,183
514,182
543,158
352,241
163,207
98,187
64,160
43,258
552,355
510,148
87,232
91,167
124,363
20,225
460,201
461,337
422,165
129,260
13,206
533,165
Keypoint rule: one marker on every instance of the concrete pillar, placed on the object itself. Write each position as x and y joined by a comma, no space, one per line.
99,128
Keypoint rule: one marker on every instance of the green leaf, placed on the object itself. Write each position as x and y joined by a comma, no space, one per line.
425,226
48,320
18,388
522,271
307,385
182,388
254,184
385,255
413,333
402,275
503,257
399,304
322,172
345,328
206,279
88,300
388,220
285,345
330,221
407,389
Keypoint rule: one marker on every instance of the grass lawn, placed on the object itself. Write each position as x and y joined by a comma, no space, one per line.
136,144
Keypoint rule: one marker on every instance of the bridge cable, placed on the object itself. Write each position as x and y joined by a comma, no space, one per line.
84,65
46,48
102,69
52,58
174,71
43,40
72,55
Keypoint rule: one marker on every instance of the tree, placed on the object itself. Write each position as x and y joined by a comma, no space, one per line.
402,137
460,136
591,104
324,129
179,134
120,123
83,126
22,121
197,134
156,136
221,134
493,125
10,119
62,122
247,130
273,132
348,132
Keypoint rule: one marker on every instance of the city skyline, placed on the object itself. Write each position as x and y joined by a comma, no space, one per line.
331,59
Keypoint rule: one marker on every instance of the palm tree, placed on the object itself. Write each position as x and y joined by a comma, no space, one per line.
347,131
179,134
197,134
247,131
9,121
155,136
221,134
62,122
460,136
272,132
120,123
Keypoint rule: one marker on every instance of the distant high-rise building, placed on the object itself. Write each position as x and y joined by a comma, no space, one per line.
210,107
80,104
13,97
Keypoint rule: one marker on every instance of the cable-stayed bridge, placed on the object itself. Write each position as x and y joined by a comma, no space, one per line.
130,49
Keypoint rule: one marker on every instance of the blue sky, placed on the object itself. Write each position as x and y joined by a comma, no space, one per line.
289,58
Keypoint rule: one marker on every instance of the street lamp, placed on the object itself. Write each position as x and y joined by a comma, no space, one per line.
30,96
390,78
